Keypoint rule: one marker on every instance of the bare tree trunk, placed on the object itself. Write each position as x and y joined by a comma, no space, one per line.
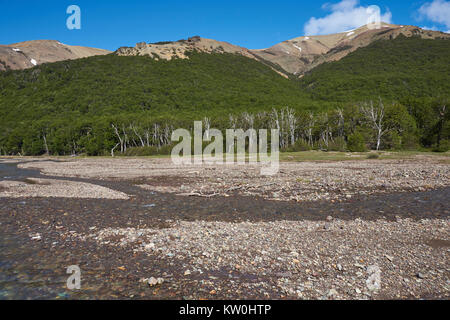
121,141
375,116
233,122
47,152
125,138
310,127
341,122
133,127
207,125
325,129
156,135
112,150
276,125
147,137
249,120
167,133
442,111
292,123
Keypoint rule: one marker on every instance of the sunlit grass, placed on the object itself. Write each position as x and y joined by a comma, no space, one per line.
294,156
346,156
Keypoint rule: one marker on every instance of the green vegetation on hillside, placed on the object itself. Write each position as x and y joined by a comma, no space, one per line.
109,103
205,84
393,70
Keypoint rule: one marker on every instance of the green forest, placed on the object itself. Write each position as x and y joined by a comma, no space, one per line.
129,105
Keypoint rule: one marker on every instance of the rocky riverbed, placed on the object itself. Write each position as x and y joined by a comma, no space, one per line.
296,181
326,230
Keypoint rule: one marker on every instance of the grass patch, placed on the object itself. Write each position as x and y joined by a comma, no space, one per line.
297,156
319,156
373,156
348,156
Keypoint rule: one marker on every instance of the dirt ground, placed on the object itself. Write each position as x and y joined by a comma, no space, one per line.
147,229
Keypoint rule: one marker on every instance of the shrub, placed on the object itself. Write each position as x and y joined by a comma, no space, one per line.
338,144
356,143
393,141
410,142
444,146
300,145
148,151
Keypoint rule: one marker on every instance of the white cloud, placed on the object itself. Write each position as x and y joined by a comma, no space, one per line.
437,11
345,15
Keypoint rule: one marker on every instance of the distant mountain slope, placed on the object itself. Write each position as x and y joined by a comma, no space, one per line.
302,54
180,49
28,54
391,69
290,58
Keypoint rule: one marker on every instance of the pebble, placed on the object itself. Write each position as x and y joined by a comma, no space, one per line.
36,237
332,293
155,281
373,282
421,275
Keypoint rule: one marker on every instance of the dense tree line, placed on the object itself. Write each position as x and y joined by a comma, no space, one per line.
371,125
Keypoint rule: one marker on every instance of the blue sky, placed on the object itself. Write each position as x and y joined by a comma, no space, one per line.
252,24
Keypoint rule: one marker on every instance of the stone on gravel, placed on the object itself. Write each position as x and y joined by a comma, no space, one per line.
155,281
374,281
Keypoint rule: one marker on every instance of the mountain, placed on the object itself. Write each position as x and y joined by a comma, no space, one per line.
391,69
291,57
28,54
180,49
302,54
152,88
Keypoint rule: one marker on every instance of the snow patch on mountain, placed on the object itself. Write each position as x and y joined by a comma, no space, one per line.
298,47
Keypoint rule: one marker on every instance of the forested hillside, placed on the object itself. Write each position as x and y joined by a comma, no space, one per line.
99,104
394,69
74,103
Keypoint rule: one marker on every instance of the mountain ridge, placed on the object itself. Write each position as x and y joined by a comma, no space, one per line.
28,54
289,58
299,55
